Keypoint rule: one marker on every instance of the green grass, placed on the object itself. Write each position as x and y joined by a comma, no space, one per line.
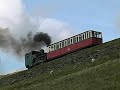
1,76
103,74
93,76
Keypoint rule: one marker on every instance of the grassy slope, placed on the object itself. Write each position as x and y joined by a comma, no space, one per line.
93,76
104,76
101,74
1,76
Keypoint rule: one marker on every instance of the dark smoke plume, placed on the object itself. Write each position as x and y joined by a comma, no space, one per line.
35,42
42,37
26,44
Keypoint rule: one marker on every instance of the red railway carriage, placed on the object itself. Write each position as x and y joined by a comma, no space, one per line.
80,41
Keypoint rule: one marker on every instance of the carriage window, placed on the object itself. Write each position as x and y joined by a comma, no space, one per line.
54,46
65,43
96,34
57,46
60,44
51,47
99,35
74,39
68,40
86,35
90,34
80,38
77,38
71,40
93,34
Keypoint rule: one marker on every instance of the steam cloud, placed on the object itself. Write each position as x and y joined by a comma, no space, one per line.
25,44
35,42
21,36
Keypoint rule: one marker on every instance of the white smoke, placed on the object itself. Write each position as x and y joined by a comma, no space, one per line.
14,17
11,12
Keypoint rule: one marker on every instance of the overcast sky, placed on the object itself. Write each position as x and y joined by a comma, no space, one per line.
58,18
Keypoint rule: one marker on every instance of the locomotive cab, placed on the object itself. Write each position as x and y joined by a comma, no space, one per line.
34,58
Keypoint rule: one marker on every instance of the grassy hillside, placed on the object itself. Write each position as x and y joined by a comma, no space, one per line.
74,71
1,76
93,76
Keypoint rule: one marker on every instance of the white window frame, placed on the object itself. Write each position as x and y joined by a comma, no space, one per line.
90,34
84,35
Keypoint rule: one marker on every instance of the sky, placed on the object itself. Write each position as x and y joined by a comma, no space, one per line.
59,18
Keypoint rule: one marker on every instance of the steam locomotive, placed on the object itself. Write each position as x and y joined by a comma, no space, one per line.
83,40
